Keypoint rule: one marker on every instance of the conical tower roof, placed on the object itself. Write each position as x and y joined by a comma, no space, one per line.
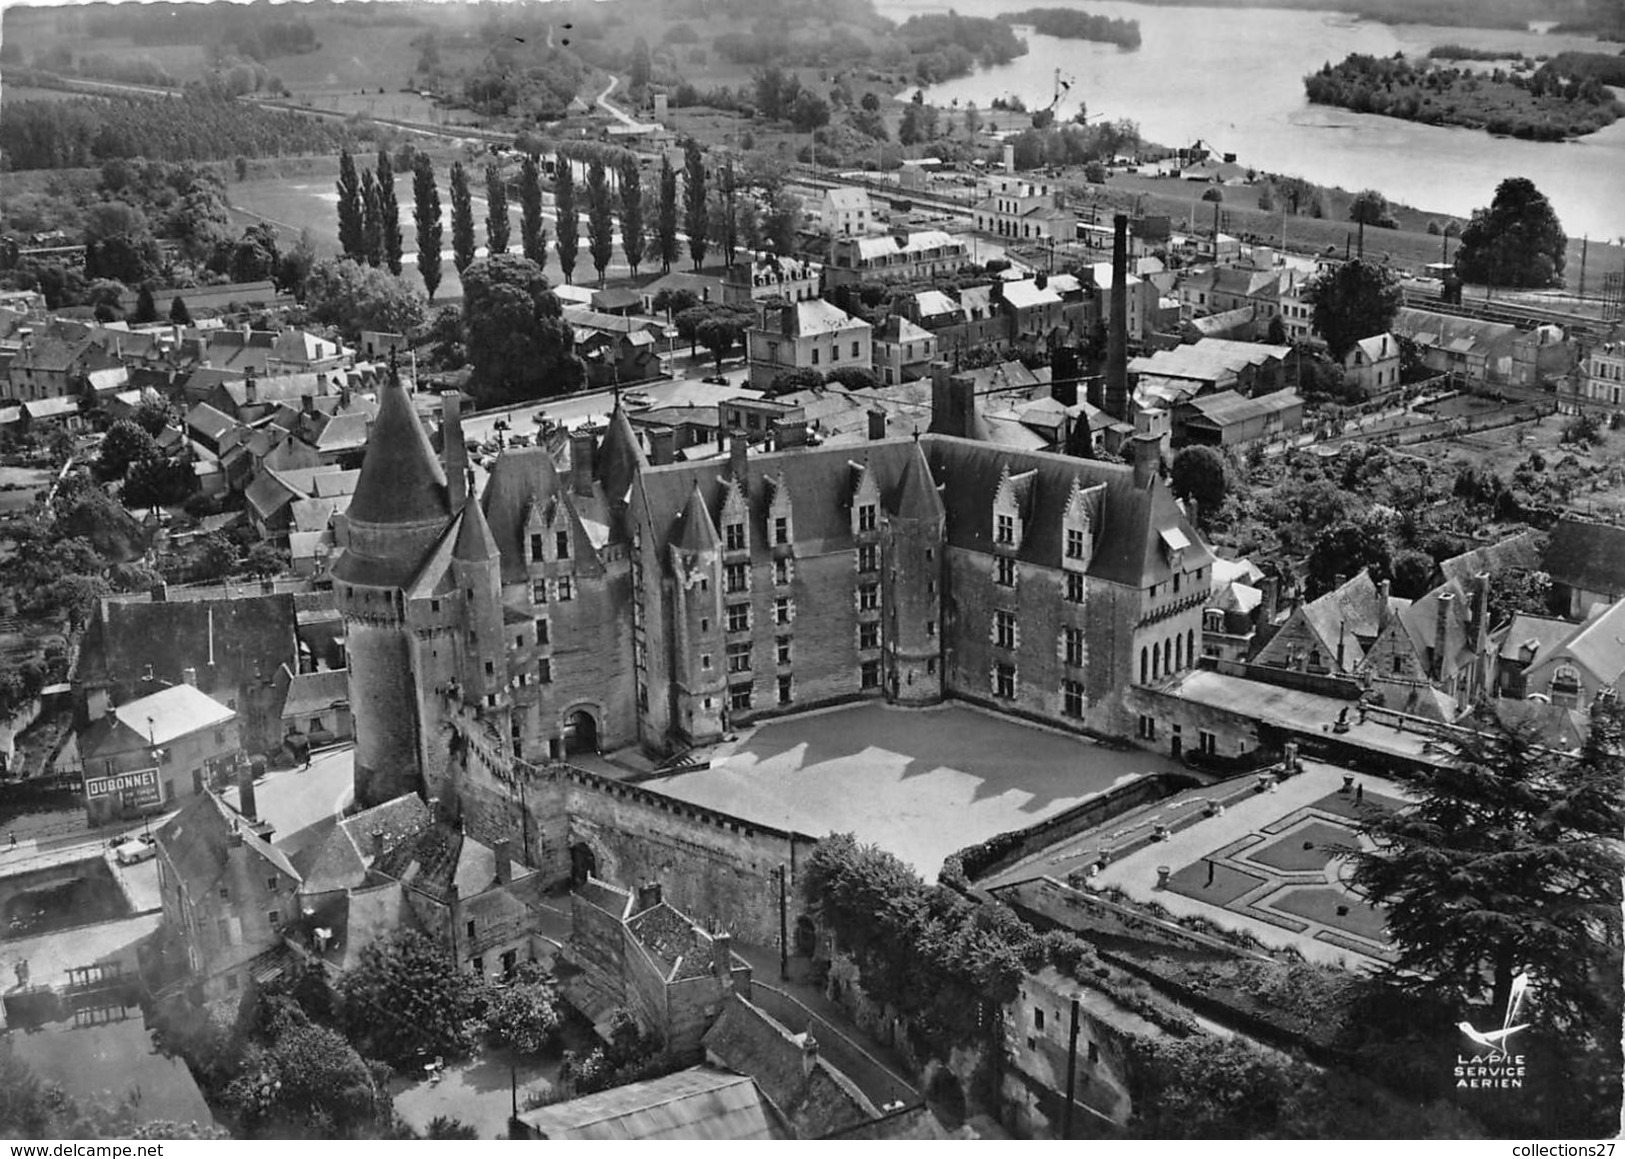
917,495
475,543
401,480
619,457
699,533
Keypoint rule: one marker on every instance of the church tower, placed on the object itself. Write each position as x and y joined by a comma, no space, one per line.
400,510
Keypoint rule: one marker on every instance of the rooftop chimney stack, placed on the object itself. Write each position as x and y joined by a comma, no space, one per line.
1147,459
737,450
877,424
246,804
454,448
189,676
503,850
377,844
722,956
582,449
662,446
1117,334
1441,632
648,896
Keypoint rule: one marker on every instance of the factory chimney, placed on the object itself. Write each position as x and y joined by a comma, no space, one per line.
1117,336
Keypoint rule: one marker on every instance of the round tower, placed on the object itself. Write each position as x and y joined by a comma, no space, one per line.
914,561
400,509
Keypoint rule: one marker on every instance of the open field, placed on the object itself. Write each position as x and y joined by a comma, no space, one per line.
919,783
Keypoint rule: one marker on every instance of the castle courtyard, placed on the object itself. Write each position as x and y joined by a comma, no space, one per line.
921,783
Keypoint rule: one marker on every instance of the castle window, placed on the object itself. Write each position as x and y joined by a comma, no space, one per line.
1004,571
737,578
1006,529
931,628
705,661
1176,583
868,558
538,592
784,649
1004,629
734,534
705,623
784,609
1399,664
1074,543
866,517
784,690
868,597
1004,681
434,607
566,589
781,571
1072,640
536,549
739,657
931,666
1074,587
561,544
544,671
490,668
869,674
471,927
541,631
1072,698
739,698
781,529
869,635
738,617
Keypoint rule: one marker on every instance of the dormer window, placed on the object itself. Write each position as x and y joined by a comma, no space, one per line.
1006,531
561,544
1074,543
734,536
866,517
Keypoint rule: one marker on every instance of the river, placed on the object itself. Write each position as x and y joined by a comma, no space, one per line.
1234,77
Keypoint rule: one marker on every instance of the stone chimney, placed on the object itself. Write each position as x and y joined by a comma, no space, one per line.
503,850
789,433
722,956
1117,332
1147,458
1270,587
1441,632
307,404
787,321
953,402
189,676
321,382
737,449
1481,608
251,387
662,446
582,449
377,844
246,803
454,448
1009,158
877,424
648,897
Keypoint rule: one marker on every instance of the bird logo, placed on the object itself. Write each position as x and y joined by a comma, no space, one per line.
1495,1041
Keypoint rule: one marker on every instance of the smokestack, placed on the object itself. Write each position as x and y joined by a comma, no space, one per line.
582,446
1147,458
189,676
1009,158
1270,586
246,804
648,896
1441,632
1117,336
1481,608
454,448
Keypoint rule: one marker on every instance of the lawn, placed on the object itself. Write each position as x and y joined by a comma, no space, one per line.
1306,848
919,783
1228,884
1334,908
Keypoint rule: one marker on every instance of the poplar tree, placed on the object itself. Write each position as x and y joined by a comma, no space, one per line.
389,212
730,216
696,219
462,219
564,200
632,239
496,212
532,232
372,220
600,218
666,217
426,213
350,223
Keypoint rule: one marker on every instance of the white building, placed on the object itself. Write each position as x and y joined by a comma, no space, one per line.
847,212
811,335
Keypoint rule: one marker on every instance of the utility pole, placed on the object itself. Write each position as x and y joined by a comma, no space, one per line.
784,926
1362,238
1585,244
1071,1072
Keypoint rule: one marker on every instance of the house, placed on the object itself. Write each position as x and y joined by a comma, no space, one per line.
694,1105
1439,643
1519,644
1329,635
616,300
1208,366
638,953
1241,601
704,287
1587,664
1298,317
317,706
1025,210
769,275
901,256
157,749
228,894
1477,350
1372,365
1586,561
48,367
1218,289
902,351
1600,381
846,211
1542,356
615,360
340,861
1521,552
811,335
1229,419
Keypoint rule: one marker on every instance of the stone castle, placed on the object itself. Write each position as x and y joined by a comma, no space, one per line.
594,600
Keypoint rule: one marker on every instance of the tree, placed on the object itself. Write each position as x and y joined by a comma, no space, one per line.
517,338
790,381
406,1000
1199,473
497,226
1413,574
146,310
1343,549
695,220
728,213
372,220
666,216
356,298
426,215
809,111
632,227
568,242
1509,863
178,313
124,445
307,1078
389,213
532,230
782,220
721,332
600,218
642,64
1356,300
257,255
1371,208
350,213
524,1011
462,219
1517,241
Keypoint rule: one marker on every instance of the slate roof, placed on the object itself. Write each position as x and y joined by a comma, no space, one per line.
401,479
316,692
341,859
692,1105
1587,556
882,245
197,841
437,857
1547,635
522,478
208,422
672,940
1227,408
474,541
247,638
1599,644
1459,335
1520,551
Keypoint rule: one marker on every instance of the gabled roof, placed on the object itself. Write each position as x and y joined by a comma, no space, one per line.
1587,556
1520,551
522,479
313,692
208,422
1421,620
229,641
897,329
681,948
171,713
438,857
401,479
197,842
846,197
340,861
1599,644
1530,640
1228,408
692,1105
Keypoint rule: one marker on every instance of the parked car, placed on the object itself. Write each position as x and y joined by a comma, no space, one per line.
715,380
637,399
133,850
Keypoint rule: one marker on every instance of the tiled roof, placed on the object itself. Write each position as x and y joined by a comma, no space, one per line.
1587,556
1227,407
197,842
687,1107
1599,645
674,941
1520,551
316,692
